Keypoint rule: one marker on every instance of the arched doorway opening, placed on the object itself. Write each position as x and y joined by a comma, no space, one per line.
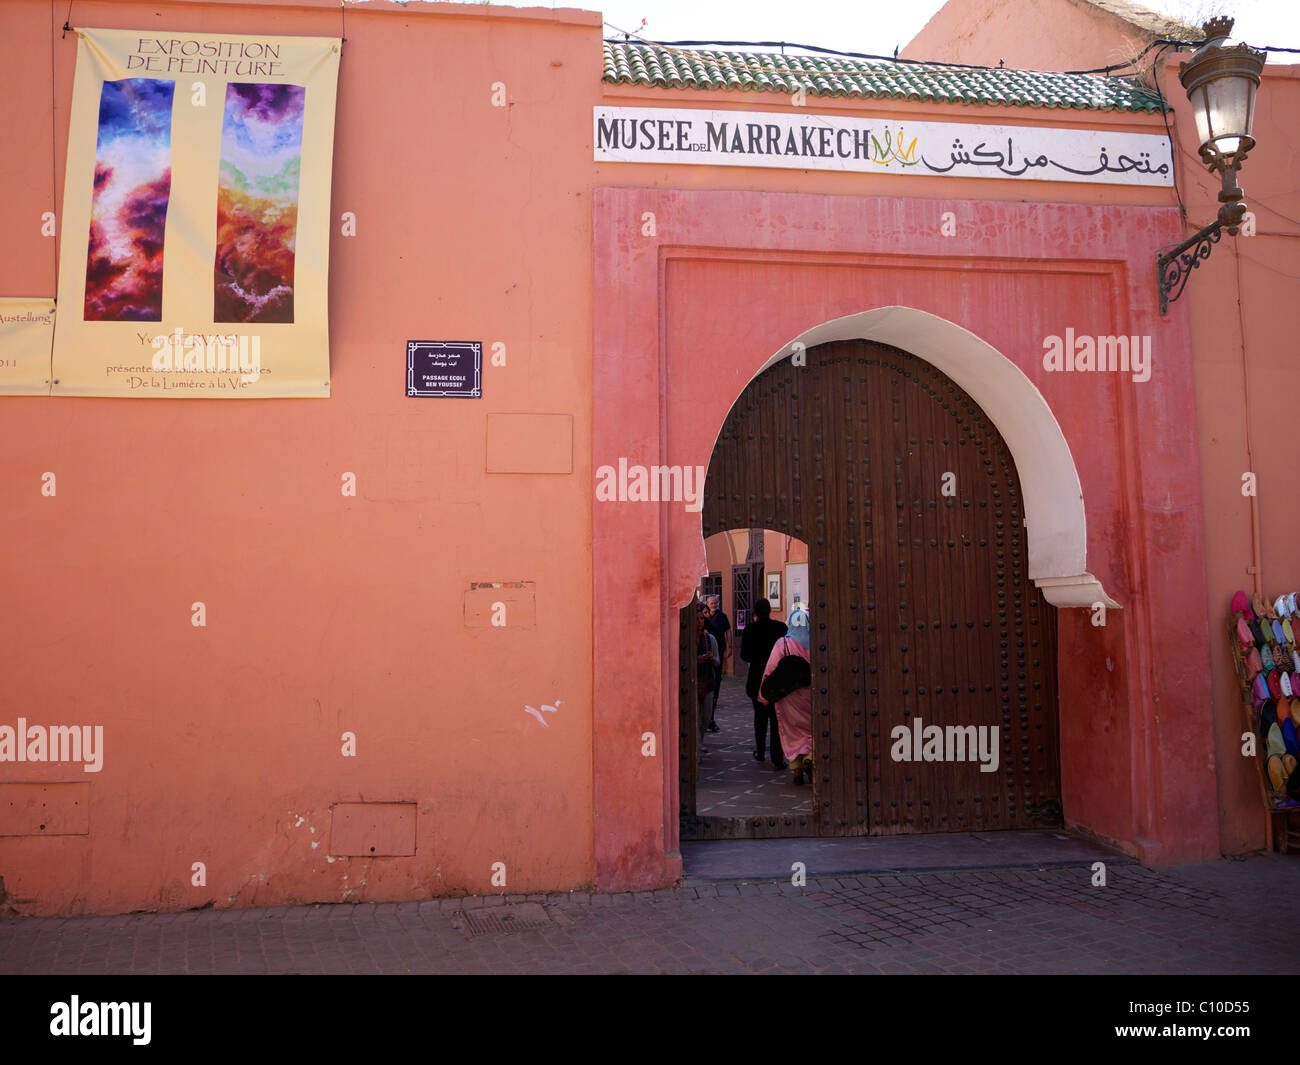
735,781
933,653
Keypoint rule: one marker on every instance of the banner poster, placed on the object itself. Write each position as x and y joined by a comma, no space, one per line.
194,255
26,337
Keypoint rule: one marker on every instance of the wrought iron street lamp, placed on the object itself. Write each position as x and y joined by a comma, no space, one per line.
1220,80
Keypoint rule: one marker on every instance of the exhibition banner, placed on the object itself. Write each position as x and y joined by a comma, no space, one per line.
196,215
26,338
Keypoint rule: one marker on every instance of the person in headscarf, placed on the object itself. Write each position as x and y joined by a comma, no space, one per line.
794,712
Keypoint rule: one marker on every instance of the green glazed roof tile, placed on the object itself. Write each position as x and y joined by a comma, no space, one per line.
628,63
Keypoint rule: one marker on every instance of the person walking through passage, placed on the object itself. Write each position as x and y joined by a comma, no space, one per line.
794,712
719,626
756,643
707,662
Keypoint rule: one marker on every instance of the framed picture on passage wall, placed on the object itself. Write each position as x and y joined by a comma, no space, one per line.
774,590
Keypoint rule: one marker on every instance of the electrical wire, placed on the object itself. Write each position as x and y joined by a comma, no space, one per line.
1255,201
1256,560
630,37
675,45
1164,114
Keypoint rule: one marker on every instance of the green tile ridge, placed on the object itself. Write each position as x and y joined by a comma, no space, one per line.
629,63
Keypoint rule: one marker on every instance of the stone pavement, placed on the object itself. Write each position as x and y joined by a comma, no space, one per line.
1220,917
731,783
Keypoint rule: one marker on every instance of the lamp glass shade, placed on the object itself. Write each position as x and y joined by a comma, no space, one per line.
1225,112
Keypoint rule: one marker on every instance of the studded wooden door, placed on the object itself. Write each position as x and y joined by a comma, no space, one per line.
922,613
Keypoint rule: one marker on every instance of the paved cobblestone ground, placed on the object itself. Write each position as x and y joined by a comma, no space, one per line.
731,783
1211,918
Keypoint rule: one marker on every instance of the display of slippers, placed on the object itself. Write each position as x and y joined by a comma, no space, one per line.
1267,659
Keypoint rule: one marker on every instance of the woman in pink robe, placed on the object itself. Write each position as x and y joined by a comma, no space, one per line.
794,712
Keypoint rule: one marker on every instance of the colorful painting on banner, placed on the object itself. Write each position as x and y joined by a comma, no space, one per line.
199,172
128,214
257,202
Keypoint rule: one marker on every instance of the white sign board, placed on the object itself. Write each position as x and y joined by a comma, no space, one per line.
869,145
796,586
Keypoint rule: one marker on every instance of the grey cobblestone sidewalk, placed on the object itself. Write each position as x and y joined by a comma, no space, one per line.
1192,919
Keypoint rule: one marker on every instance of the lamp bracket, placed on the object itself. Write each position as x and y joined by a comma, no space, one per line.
1175,266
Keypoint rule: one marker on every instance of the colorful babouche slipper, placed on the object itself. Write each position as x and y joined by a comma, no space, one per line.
1245,637
1281,767
1267,718
1254,664
1275,741
1277,774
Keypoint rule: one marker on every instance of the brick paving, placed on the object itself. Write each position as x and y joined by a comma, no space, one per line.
1211,918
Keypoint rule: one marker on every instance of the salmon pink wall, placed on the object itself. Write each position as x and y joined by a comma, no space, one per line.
1038,35
1245,319
325,613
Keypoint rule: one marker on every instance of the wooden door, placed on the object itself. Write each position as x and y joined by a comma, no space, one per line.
920,604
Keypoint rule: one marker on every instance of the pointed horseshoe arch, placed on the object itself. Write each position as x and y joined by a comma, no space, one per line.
1053,496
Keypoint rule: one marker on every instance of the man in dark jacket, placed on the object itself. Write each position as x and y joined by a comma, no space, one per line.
756,646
